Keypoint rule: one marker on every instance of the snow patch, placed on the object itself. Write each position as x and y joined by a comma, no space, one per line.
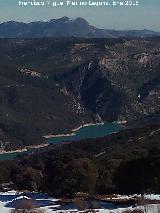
48,203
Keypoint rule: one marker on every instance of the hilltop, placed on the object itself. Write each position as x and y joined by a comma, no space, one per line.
65,27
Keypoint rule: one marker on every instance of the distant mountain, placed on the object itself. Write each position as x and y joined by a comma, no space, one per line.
65,27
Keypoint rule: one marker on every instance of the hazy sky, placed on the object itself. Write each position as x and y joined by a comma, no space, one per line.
146,15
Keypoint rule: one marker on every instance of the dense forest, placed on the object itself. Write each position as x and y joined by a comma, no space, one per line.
126,162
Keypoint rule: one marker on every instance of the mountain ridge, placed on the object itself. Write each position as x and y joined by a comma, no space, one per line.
66,27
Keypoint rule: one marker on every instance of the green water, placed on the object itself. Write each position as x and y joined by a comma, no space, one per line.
89,132
83,133
10,156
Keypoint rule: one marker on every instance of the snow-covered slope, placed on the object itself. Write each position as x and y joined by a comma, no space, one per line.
8,200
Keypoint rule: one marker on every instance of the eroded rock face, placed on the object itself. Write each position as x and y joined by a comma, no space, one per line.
120,82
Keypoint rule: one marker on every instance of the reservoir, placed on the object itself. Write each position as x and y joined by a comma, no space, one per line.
92,131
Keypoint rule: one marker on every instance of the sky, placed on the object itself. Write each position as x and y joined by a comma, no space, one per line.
144,16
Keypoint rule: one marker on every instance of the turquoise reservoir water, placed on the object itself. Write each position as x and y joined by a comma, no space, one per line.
83,133
89,132
10,156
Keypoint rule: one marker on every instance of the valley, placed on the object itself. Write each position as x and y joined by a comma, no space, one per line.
83,132
50,86
115,164
85,111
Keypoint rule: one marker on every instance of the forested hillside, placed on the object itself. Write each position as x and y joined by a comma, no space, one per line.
50,86
127,162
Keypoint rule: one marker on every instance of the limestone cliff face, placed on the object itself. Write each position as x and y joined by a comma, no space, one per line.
122,82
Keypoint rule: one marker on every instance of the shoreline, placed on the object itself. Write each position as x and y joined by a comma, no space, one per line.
13,151
25,149
73,130
50,136
59,135
37,146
